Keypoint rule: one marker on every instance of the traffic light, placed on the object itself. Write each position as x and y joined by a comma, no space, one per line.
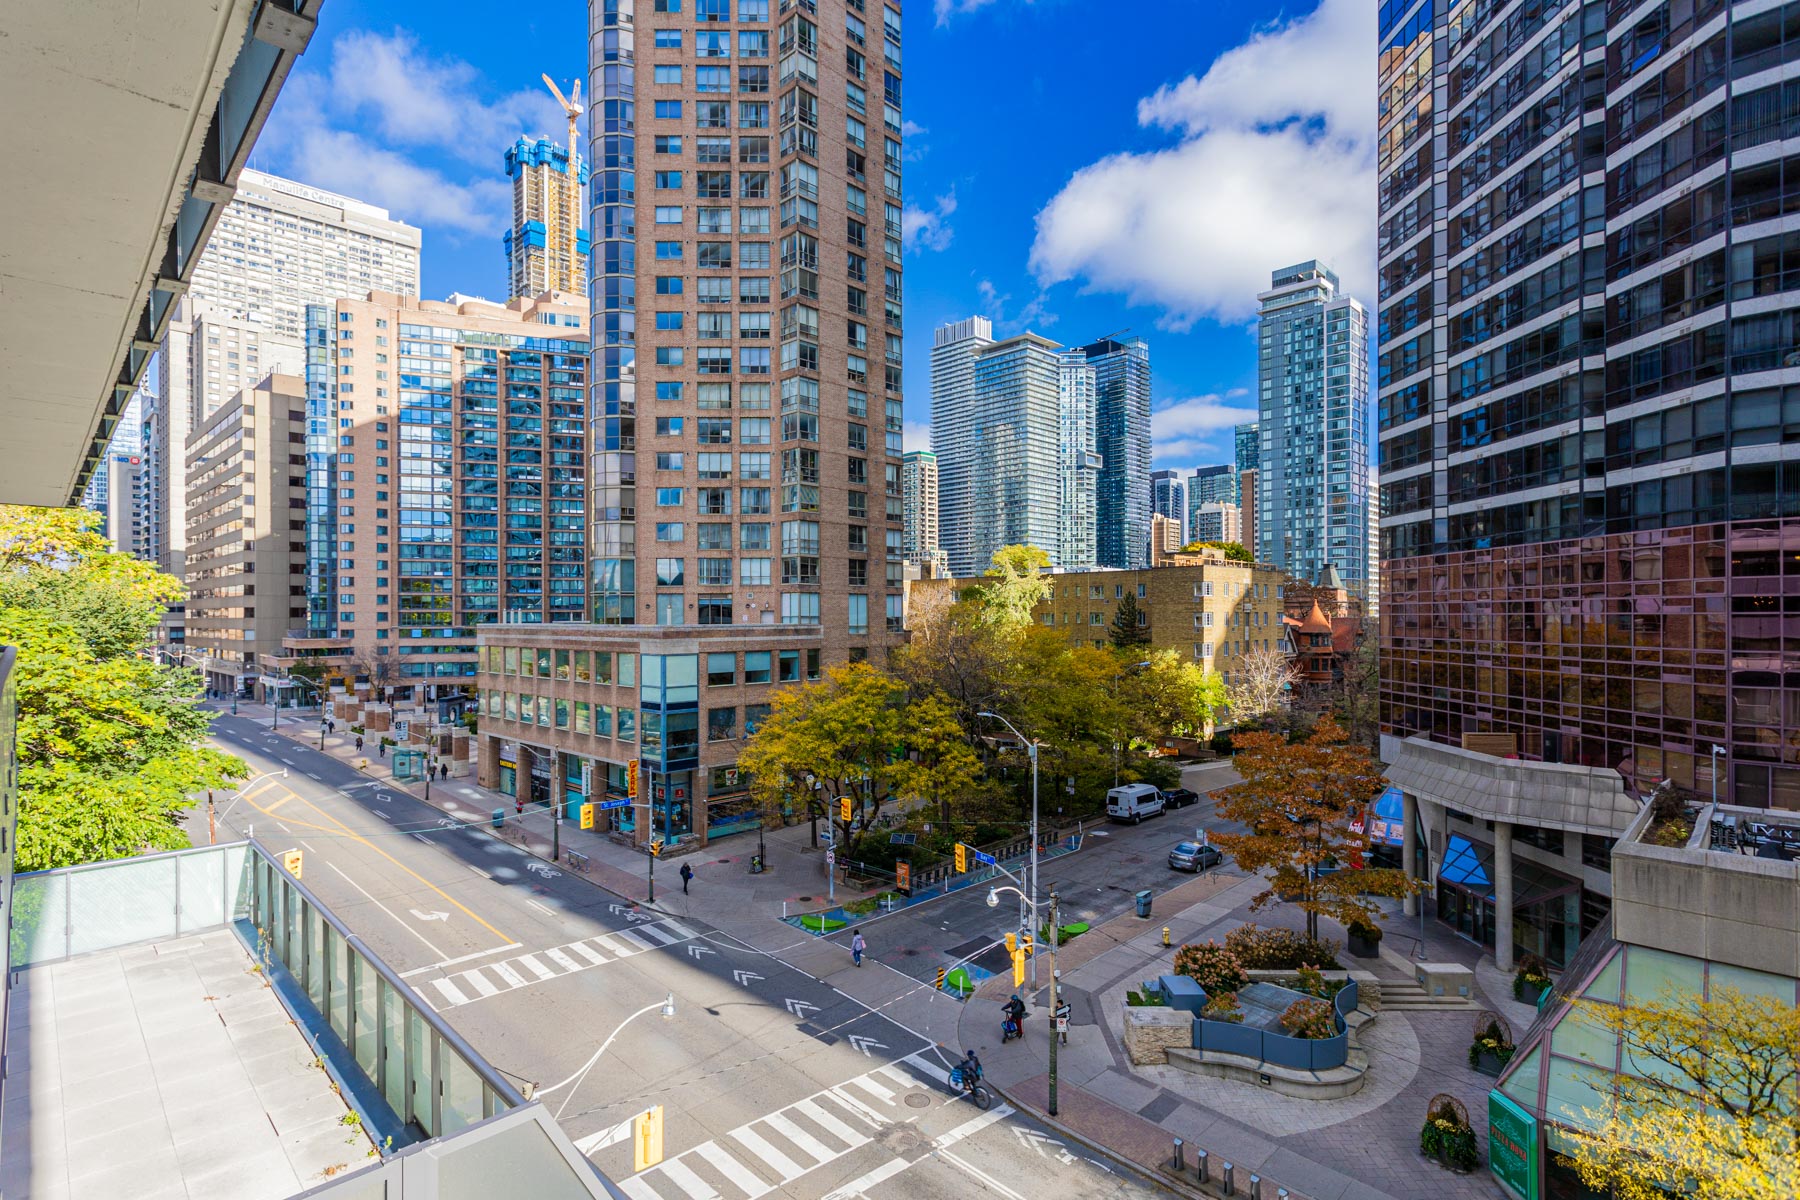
1018,964
846,809
962,857
656,847
1027,946
290,862
631,778
1012,945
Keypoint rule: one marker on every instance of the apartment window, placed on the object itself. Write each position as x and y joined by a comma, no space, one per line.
668,214
669,426
670,531
668,143
859,614
668,497
757,666
668,285
668,39
721,724
671,75
668,110
721,670
799,608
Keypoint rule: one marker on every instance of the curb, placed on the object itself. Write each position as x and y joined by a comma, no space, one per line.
1160,1176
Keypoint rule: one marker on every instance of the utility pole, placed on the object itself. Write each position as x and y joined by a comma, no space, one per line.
1055,1034
1034,876
212,830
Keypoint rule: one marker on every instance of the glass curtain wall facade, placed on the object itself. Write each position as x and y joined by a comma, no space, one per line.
1169,497
1312,507
1018,449
1080,461
1248,454
1122,437
1590,500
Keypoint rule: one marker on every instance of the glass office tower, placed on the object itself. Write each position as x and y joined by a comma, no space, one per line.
1588,385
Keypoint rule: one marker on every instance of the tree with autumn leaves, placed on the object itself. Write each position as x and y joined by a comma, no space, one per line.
1298,800
1711,1108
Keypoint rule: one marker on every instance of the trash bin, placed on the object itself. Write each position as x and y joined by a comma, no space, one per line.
1143,905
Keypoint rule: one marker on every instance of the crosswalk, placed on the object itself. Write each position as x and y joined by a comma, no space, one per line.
774,1150
523,970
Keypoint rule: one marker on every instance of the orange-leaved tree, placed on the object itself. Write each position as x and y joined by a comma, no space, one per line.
1299,800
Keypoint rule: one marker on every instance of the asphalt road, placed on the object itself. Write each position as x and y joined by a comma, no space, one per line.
773,1081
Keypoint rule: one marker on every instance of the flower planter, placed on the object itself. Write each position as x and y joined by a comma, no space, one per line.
1488,1063
1362,947
1530,993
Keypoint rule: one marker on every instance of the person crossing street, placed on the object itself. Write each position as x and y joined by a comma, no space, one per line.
687,873
857,946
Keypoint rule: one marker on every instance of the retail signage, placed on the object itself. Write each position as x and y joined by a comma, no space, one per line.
1512,1146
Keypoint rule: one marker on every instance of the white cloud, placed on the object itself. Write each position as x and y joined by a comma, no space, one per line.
1197,429
912,129
945,10
415,99
928,228
916,435
343,162
1034,314
1276,165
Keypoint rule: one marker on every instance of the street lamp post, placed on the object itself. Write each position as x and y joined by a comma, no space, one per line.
1031,747
993,900
1716,751
666,1007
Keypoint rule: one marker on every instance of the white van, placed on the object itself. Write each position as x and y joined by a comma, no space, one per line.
1134,802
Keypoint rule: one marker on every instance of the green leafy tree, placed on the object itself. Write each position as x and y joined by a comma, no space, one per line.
109,742
1128,631
1173,695
1235,551
1012,587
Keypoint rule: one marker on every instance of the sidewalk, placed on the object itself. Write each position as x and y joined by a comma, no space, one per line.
723,892
1362,1147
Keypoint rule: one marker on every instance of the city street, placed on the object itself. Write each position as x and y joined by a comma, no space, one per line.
773,1080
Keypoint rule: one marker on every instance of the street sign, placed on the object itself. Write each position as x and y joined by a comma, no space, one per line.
903,839
1061,1024
631,777
826,835
647,1139
831,858
1513,1146
984,858
612,804
587,816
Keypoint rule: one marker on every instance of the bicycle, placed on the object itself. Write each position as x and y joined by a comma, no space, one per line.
974,1089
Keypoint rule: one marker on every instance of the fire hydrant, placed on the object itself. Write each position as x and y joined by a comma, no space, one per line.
1165,935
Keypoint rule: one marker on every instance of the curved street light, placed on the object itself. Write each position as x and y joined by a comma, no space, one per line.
1031,747
993,901
665,1007
212,821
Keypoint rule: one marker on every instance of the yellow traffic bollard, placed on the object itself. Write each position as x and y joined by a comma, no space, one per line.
1165,935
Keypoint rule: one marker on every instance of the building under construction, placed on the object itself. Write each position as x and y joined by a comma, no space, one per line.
547,246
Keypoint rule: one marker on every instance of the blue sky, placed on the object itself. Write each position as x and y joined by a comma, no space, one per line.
1075,168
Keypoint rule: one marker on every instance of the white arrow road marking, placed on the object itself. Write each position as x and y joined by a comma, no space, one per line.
864,1044
798,1007
695,951
616,909
744,977
384,908
430,916
1043,1144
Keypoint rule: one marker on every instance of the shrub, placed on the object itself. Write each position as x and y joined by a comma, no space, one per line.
1309,1019
1221,743
1144,999
1279,949
1365,929
1447,1136
1214,967
1223,1007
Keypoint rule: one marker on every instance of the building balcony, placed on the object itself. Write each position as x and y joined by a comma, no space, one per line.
199,1023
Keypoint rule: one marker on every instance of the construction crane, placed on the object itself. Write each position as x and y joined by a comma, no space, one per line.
572,109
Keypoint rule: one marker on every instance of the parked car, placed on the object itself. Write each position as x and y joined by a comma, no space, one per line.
1192,856
1134,802
1180,798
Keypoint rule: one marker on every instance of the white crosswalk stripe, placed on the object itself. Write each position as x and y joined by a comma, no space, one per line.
538,966
786,1144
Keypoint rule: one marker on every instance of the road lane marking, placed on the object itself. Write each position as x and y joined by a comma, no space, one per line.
562,960
345,831
449,991
682,1177
461,958
972,1126
731,1169
861,1184
384,908
588,952
784,1167
480,982
547,911
512,977
874,1089
537,968
830,1124
606,1137
798,1136
975,1173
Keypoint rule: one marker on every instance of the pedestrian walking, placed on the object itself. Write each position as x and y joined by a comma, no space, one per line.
359,741
443,770
381,748
857,946
687,873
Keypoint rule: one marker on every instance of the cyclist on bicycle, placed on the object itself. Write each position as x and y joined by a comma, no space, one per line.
971,1069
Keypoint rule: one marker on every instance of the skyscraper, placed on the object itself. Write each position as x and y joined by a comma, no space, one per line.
1312,504
1080,462
1017,465
1589,479
919,542
279,247
546,213
1122,437
744,409
1216,484
1249,451
115,507
446,494
1169,496
954,347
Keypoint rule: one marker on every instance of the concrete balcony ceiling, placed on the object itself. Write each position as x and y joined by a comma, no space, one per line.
126,127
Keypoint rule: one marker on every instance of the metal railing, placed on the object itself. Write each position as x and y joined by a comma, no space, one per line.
427,1075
